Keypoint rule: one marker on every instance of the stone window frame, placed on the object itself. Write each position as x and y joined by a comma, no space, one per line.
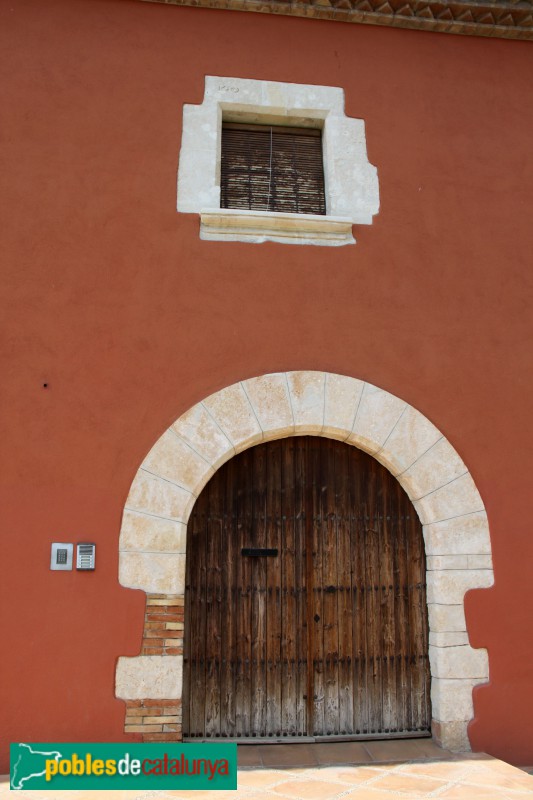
352,191
455,527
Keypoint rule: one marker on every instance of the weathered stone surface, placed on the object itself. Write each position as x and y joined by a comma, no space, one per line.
160,497
434,563
451,736
269,397
448,638
410,438
451,700
446,618
158,573
449,586
457,498
461,661
377,414
153,677
233,413
200,431
435,468
140,533
467,533
172,458
307,391
342,396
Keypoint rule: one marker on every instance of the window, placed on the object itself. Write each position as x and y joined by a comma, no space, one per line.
319,184
272,168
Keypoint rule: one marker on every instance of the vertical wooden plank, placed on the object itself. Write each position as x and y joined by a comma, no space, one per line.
373,619
300,585
316,581
229,559
259,587
274,607
213,607
243,510
403,705
198,618
330,587
289,671
389,512
360,591
345,595
416,572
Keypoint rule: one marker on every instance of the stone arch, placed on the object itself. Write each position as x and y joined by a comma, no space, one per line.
154,525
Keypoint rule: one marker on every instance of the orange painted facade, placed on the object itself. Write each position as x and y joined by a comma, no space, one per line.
117,317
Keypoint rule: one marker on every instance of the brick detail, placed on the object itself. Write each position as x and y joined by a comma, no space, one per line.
159,720
163,625
155,720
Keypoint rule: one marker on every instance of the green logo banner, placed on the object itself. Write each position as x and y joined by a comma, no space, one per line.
161,765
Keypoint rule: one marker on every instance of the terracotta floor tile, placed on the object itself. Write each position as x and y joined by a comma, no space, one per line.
365,793
258,795
195,795
342,753
309,789
394,750
464,792
351,775
428,749
248,756
300,755
491,778
256,778
413,785
444,770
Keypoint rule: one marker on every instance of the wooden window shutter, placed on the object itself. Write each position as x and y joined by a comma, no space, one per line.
269,168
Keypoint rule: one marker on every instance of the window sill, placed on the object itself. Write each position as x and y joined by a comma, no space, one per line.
235,225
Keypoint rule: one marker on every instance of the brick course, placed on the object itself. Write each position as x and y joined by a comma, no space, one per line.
159,720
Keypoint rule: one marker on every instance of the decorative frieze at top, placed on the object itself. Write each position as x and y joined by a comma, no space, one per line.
509,19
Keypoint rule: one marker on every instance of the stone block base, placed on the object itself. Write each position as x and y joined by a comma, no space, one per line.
451,735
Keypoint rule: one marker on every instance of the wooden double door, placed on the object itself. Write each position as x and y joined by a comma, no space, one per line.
305,599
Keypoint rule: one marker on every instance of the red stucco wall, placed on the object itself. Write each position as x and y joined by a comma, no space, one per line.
112,300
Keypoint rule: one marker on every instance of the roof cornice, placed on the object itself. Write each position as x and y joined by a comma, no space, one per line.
509,19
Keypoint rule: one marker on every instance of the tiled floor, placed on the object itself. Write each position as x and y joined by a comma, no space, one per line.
410,769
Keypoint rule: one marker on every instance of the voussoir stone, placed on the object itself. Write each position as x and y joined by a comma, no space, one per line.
269,397
377,414
457,498
160,497
175,460
199,430
468,533
435,468
342,396
157,573
140,532
233,413
306,391
410,438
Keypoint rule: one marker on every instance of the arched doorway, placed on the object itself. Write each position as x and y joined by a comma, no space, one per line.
261,409
305,599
